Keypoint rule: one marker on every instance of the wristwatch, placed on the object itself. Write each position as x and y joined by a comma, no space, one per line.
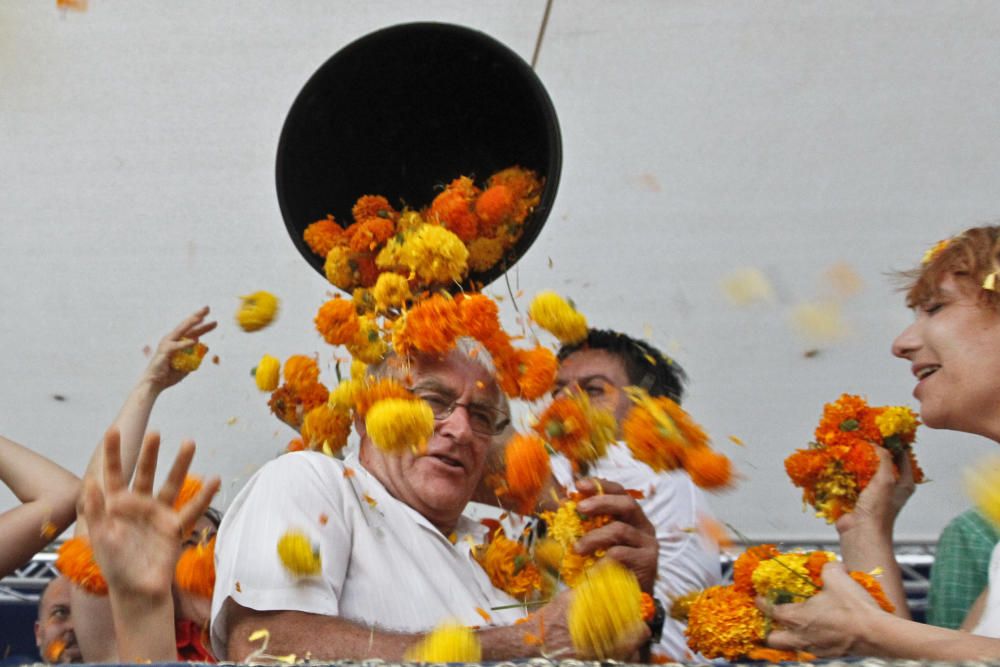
656,623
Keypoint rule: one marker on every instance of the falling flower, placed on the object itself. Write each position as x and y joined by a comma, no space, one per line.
391,291
576,428
298,554
190,488
326,428
746,286
527,468
559,317
509,566
268,373
257,310
982,483
301,371
337,321
605,610
396,424
449,642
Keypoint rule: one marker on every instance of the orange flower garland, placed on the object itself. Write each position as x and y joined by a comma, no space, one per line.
195,570
841,462
509,566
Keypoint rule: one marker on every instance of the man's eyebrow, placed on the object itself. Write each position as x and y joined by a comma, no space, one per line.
590,378
432,384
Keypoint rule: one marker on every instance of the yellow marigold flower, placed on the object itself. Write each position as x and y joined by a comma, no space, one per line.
189,359
434,254
605,610
897,420
784,578
367,345
326,429
391,291
337,321
257,310
395,424
548,553
983,486
559,317
337,268
564,525
358,369
268,373
298,554
409,220
345,394
484,253
574,566
449,642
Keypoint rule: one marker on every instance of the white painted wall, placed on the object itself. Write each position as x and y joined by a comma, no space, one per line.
137,145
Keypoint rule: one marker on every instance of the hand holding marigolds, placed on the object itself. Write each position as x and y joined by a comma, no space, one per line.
179,352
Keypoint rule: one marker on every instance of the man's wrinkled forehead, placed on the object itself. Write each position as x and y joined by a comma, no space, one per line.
453,374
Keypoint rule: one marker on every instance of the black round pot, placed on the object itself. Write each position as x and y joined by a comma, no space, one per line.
403,111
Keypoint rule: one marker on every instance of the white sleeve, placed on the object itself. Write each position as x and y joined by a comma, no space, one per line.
303,491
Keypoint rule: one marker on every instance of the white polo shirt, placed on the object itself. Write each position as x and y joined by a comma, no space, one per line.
676,507
383,563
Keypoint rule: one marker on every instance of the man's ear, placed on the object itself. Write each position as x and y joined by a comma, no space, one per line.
38,637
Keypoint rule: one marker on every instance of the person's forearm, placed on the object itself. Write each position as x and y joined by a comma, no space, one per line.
131,421
144,628
893,637
48,494
868,548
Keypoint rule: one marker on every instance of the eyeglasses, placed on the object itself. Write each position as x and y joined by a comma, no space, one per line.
483,419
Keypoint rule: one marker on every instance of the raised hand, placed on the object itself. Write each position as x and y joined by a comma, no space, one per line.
159,373
137,536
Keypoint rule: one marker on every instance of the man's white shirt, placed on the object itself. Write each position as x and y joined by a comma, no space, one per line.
383,563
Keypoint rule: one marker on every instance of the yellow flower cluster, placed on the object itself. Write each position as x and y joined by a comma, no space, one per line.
897,420
449,642
298,554
432,253
983,486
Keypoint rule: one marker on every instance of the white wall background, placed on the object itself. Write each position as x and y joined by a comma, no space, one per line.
137,144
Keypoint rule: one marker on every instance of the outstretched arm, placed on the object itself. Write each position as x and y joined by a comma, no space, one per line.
137,538
48,494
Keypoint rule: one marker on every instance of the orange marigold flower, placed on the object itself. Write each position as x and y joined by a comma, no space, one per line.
366,271
454,212
300,370
847,418
373,206
814,566
371,233
659,432
527,469
525,185
708,468
295,445
290,403
480,316
509,567
432,326
484,253
725,623
648,607
564,426
337,321
195,570
804,466
495,206
775,656
538,368
747,562
189,489
76,562
326,429
322,235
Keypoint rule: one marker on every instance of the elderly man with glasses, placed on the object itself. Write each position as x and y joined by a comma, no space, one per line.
391,536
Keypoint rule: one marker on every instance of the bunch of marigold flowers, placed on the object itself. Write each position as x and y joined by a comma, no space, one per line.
840,463
724,622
